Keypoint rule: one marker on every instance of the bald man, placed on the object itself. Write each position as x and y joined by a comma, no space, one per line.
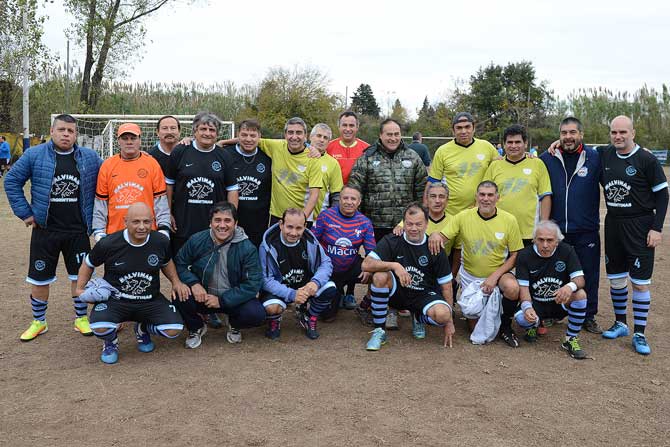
133,259
636,195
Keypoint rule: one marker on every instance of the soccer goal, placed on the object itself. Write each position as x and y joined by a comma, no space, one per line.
99,131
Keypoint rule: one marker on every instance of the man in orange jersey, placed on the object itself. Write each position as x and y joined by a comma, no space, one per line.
128,177
347,148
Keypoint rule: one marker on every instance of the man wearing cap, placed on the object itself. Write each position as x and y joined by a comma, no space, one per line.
347,148
462,163
128,177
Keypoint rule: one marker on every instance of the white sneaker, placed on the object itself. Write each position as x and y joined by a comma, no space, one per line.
233,335
194,338
392,320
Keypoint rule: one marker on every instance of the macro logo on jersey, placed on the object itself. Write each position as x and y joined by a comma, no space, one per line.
100,307
134,286
294,276
417,277
260,167
631,171
64,188
248,186
216,166
127,193
423,261
545,288
40,265
342,247
616,191
560,266
152,260
199,189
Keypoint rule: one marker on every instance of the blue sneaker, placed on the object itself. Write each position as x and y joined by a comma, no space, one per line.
640,344
418,329
144,343
348,302
617,330
110,352
377,340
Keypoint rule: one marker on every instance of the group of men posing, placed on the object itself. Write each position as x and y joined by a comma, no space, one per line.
243,228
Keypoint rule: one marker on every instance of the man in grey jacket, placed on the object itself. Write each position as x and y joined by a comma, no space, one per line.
295,269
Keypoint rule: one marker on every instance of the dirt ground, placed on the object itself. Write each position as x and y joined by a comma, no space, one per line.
55,391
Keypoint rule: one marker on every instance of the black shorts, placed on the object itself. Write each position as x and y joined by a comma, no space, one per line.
417,303
549,309
626,251
348,277
45,246
156,311
4,162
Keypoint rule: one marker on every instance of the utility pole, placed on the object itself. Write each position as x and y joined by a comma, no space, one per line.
26,85
67,79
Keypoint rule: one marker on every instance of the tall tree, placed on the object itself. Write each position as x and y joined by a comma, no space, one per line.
364,101
16,43
106,27
399,113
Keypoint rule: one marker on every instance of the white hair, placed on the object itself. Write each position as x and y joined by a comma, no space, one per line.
548,225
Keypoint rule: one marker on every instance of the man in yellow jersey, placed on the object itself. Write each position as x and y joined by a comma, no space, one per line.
462,163
330,169
296,178
490,240
523,181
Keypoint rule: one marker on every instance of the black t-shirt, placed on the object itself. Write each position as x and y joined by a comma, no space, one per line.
544,276
133,270
199,181
294,265
630,181
254,178
161,157
64,210
428,271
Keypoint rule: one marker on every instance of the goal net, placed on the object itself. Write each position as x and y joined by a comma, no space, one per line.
99,131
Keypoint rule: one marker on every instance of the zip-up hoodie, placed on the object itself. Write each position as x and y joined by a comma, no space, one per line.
319,263
197,260
576,198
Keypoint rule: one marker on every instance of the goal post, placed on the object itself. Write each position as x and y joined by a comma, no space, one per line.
99,131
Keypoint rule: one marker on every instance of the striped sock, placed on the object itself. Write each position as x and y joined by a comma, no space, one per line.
148,327
39,308
109,335
619,301
641,304
576,316
80,307
379,297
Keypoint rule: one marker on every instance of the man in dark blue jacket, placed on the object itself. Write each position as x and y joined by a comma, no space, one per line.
62,188
221,267
575,172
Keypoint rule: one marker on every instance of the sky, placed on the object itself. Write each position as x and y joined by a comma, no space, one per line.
403,49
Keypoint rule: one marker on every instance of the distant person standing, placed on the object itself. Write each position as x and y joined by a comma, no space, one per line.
420,148
168,131
5,155
347,148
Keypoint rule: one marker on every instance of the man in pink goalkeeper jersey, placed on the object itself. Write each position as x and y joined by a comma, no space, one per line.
342,230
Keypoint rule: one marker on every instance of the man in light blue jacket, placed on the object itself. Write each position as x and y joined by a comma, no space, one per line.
62,179
295,269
